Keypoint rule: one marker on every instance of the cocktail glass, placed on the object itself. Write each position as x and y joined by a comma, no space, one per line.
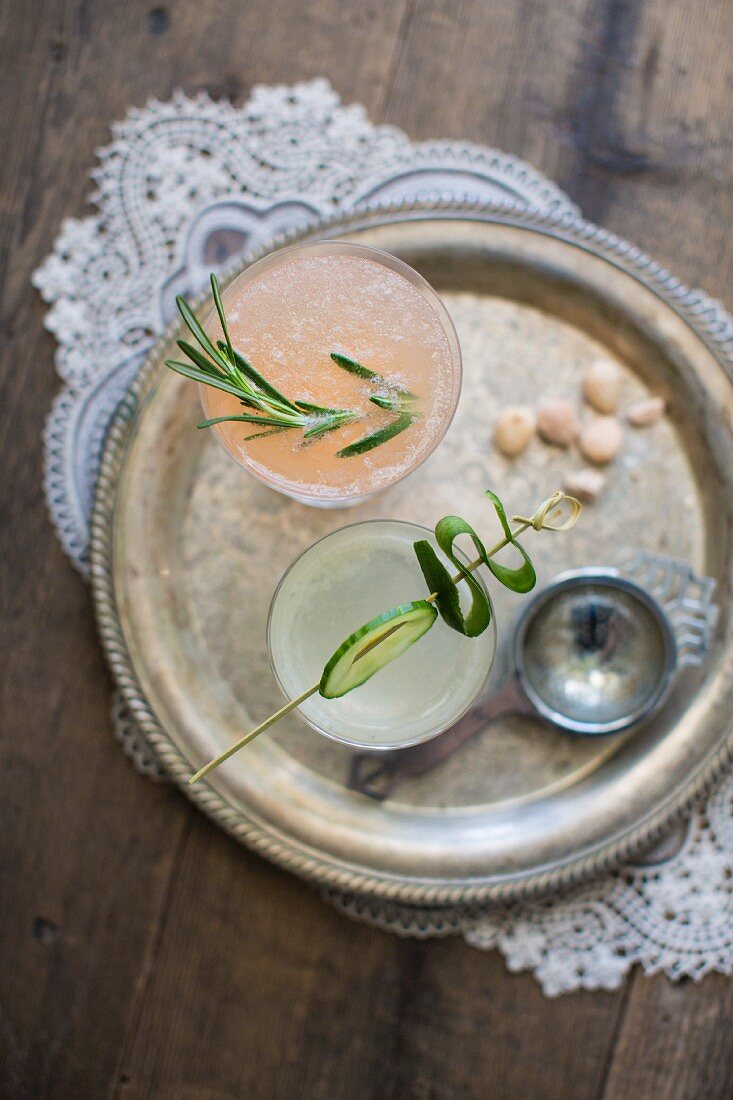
338,584
286,314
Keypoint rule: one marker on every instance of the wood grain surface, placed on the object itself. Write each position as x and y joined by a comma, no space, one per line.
142,952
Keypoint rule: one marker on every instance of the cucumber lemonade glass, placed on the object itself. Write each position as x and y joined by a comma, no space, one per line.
341,582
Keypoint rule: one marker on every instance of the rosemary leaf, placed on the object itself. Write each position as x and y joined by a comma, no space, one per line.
353,367
265,421
197,375
384,402
270,431
222,316
375,439
402,401
327,425
199,359
259,380
306,406
196,329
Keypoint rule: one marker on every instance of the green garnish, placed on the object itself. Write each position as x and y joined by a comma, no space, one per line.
386,637
523,578
375,439
353,367
520,579
364,652
445,591
223,368
402,402
385,402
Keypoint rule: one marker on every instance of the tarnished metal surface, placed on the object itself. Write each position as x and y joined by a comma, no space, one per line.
188,550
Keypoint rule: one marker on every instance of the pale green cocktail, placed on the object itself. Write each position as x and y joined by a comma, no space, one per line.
339,583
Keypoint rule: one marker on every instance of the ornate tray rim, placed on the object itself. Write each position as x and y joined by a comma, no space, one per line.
711,323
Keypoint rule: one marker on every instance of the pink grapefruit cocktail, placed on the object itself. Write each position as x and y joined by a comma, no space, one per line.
287,314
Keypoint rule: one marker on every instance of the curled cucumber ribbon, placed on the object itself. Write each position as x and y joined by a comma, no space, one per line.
557,513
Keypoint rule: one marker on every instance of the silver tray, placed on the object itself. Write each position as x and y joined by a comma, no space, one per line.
187,551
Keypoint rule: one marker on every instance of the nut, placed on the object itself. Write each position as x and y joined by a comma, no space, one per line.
600,441
514,429
602,385
557,422
585,484
643,413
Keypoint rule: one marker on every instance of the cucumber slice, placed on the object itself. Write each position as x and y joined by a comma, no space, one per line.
374,645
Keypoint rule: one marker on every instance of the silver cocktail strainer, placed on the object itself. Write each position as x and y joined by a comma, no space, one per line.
593,653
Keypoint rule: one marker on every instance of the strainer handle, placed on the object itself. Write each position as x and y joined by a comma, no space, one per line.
378,775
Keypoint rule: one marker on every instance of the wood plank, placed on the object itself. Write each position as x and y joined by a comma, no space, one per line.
68,799
98,60
89,847
521,59
675,1041
626,105
260,990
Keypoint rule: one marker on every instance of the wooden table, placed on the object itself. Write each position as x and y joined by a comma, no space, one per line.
143,953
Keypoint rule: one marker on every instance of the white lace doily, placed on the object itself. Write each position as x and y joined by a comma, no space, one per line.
182,187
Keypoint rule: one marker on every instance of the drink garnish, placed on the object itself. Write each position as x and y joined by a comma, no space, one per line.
389,635
375,439
365,651
399,401
221,366
520,579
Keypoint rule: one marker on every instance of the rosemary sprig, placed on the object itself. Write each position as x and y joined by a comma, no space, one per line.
224,368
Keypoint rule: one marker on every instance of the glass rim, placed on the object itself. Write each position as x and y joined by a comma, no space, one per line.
386,259
366,746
